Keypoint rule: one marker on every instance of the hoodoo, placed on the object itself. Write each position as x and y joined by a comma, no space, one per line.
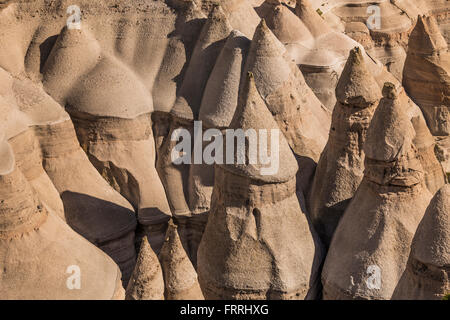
341,166
302,118
180,278
426,78
37,247
257,243
371,245
427,274
146,282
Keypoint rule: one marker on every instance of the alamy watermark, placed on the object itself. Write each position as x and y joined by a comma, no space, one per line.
374,20
73,282
241,147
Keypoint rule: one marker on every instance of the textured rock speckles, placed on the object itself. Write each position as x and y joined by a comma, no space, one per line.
180,277
146,282
250,249
374,236
341,166
426,78
427,274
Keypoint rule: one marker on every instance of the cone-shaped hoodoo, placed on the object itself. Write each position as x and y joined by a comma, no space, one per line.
370,247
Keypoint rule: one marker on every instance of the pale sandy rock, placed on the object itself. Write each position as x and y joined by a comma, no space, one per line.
91,206
115,130
180,277
426,78
300,115
146,282
257,243
370,248
341,166
37,250
207,49
426,275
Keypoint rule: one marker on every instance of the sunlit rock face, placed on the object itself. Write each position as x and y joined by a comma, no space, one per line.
258,243
426,78
383,27
94,95
426,275
370,248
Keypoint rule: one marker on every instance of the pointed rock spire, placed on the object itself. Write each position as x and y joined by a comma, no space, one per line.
341,165
357,86
180,277
299,114
207,49
252,212
426,276
75,52
221,93
265,60
146,282
426,37
370,247
316,25
391,133
285,25
426,78
252,114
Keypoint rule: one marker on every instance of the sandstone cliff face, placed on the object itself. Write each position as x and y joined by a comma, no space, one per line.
250,250
370,248
427,273
341,166
426,78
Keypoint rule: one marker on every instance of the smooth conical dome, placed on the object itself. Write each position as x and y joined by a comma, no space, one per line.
391,132
265,60
426,276
356,85
286,26
180,277
204,56
426,37
432,241
221,94
146,282
75,52
311,18
252,114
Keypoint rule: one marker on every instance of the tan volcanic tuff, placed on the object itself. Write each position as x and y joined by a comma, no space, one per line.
18,130
320,52
37,247
257,243
180,277
426,276
110,109
189,186
57,150
146,282
240,14
301,117
341,165
427,273
217,110
426,78
370,247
